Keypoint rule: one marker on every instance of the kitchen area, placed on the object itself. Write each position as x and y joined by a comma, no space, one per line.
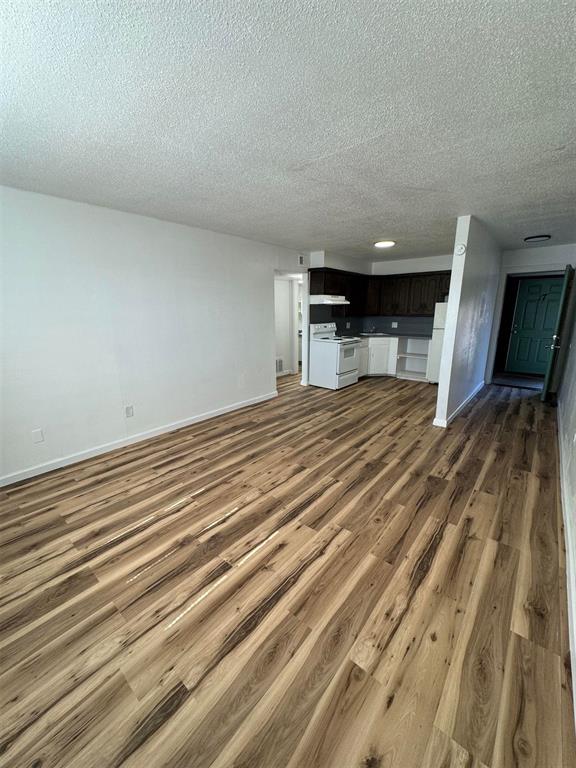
376,325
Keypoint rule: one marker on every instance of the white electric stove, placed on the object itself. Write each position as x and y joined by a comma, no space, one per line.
333,359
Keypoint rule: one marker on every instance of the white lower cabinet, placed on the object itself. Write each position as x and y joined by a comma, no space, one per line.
363,358
382,356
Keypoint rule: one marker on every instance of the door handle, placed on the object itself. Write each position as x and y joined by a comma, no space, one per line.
555,341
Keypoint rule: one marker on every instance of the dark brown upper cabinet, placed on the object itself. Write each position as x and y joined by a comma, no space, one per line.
331,282
373,296
414,294
356,293
385,295
337,283
423,294
317,280
395,295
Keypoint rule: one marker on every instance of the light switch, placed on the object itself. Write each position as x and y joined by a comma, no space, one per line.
37,436
394,324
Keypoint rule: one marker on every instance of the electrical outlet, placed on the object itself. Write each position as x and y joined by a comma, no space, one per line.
347,325
129,411
394,324
37,436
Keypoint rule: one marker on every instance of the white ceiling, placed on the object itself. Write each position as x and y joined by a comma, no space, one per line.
315,124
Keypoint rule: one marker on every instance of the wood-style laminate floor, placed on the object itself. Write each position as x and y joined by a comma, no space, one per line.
321,580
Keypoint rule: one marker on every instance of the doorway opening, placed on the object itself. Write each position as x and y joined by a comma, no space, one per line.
529,318
288,323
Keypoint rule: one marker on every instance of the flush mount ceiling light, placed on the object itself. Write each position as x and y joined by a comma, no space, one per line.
537,238
384,243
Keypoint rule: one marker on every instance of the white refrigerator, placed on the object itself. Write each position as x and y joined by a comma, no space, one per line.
435,349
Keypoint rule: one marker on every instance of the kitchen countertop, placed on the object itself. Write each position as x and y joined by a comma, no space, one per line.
397,335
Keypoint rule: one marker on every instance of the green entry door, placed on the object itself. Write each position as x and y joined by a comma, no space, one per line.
535,316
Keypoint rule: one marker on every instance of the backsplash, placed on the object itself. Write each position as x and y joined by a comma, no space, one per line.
320,313
416,325
326,313
406,325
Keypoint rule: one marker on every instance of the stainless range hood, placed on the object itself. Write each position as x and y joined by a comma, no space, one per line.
324,298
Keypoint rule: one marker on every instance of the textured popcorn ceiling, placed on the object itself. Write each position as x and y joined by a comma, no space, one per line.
316,125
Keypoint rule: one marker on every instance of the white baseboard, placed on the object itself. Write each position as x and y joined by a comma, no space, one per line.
569,515
444,422
97,450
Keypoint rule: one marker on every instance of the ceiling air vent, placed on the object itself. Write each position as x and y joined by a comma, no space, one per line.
537,238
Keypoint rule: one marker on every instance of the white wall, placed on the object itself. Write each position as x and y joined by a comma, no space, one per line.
545,258
473,288
389,267
567,441
348,263
102,309
336,261
422,264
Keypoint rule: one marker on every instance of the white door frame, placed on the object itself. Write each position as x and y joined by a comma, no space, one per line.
291,364
294,326
540,269
305,327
